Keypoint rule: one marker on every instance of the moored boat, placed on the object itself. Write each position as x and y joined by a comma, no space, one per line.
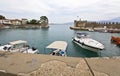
86,42
91,30
115,40
58,48
18,46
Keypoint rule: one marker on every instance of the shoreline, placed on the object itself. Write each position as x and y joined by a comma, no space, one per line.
32,26
108,30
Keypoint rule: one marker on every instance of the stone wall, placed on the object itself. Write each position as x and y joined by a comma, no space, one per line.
86,24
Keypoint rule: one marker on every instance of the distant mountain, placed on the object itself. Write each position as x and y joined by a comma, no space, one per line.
68,23
117,19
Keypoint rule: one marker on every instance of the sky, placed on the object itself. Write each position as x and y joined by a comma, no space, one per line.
61,11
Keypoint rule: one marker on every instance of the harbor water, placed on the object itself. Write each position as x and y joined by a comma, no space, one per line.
41,38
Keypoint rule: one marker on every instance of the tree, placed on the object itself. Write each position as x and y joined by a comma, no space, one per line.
43,20
33,21
2,17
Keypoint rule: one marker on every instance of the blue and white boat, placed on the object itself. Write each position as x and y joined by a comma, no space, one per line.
84,41
58,48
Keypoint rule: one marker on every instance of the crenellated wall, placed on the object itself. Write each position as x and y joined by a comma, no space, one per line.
86,24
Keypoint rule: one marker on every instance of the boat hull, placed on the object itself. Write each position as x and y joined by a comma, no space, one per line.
15,46
87,47
58,54
115,40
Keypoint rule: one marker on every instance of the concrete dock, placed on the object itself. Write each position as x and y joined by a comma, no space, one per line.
19,64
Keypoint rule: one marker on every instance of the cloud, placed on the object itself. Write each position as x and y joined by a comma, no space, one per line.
61,10
25,6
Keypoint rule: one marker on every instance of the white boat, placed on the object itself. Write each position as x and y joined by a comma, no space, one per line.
91,30
18,46
58,48
6,47
86,42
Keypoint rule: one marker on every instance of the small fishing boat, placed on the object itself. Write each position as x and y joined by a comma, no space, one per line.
58,48
18,46
115,40
86,42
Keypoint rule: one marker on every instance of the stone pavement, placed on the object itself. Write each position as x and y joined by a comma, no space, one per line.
18,64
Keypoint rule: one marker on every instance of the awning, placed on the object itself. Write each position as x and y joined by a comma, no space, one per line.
58,45
17,42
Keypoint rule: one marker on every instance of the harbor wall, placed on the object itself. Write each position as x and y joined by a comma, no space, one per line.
85,24
19,64
103,26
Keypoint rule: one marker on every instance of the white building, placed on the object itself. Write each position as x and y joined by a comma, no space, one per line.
16,22
5,21
24,21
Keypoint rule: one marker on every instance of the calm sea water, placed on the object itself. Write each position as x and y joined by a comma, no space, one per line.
40,38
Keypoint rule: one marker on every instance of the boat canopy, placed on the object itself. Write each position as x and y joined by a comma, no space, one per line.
18,42
58,45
